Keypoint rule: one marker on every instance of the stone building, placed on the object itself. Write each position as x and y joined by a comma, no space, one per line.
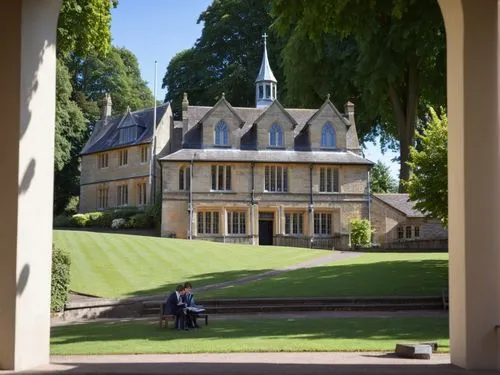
398,224
117,168
267,175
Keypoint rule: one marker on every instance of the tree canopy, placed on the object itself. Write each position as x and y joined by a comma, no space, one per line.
227,56
428,184
386,56
381,180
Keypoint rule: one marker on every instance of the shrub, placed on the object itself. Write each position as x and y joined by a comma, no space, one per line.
361,233
72,206
118,223
79,220
142,220
59,288
95,219
61,221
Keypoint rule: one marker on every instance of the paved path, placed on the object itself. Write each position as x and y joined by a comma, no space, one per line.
255,363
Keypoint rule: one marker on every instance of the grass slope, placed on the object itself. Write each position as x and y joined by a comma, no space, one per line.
115,265
383,274
251,335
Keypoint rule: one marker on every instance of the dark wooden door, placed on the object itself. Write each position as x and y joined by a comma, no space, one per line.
265,232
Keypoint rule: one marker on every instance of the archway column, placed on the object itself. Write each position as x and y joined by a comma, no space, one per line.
473,181
27,76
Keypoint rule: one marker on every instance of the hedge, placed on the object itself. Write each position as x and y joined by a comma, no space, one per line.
59,289
361,233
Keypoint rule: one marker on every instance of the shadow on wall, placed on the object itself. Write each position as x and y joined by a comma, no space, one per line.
22,282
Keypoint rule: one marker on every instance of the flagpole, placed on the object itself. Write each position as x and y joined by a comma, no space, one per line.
153,143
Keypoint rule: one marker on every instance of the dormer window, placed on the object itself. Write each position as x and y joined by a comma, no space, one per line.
128,135
328,136
221,134
276,136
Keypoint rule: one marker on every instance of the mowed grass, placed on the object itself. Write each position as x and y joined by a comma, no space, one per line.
251,335
382,274
118,265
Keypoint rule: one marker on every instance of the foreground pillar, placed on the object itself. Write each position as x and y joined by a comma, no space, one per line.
27,77
474,181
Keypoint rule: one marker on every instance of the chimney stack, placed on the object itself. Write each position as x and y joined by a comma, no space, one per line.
349,111
107,105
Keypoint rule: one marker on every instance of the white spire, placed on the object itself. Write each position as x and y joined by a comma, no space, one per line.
265,84
265,72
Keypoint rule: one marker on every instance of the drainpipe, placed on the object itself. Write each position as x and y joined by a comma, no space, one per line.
252,203
311,205
190,204
369,198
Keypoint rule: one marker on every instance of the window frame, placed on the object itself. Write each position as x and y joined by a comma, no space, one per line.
210,219
142,194
408,232
416,231
122,195
272,180
220,174
103,160
328,130
221,134
123,157
103,197
276,136
144,154
329,180
323,221
185,174
236,219
128,134
294,223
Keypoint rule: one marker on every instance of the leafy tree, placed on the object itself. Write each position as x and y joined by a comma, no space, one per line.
428,184
390,52
84,26
227,56
381,180
70,133
117,73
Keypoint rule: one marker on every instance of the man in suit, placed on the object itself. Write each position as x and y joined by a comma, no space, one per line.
175,306
188,299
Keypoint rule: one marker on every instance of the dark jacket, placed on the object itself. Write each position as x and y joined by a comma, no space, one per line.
172,304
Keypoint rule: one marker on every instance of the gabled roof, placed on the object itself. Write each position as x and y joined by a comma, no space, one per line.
335,110
128,120
106,134
400,202
276,103
222,101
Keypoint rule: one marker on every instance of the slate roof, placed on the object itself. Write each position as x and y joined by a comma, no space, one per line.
106,135
400,202
275,156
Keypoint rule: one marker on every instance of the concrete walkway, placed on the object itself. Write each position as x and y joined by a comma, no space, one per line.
255,363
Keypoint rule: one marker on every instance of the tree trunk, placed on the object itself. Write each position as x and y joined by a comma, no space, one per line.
405,113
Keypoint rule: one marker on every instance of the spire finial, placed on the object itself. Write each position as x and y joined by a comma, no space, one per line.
223,95
264,36
328,96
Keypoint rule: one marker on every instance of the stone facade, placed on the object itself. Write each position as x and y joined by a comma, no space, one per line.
109,164
396,221
300,210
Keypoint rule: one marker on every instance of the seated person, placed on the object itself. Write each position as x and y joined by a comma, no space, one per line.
174,305
192,309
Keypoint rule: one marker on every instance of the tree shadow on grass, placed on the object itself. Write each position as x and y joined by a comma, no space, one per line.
299,330
386,278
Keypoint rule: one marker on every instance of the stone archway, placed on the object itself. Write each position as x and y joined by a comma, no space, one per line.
474,181
27,78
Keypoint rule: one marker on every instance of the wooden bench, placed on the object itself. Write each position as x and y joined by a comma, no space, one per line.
165,317
445,298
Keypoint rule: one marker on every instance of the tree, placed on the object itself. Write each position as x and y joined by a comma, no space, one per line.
70,134
381,180
117,73
428,185
84,26
394,64
227,56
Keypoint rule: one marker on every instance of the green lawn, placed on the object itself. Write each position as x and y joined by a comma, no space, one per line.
382,274
115,265
251,335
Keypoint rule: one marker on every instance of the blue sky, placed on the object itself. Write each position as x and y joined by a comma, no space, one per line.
159,29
